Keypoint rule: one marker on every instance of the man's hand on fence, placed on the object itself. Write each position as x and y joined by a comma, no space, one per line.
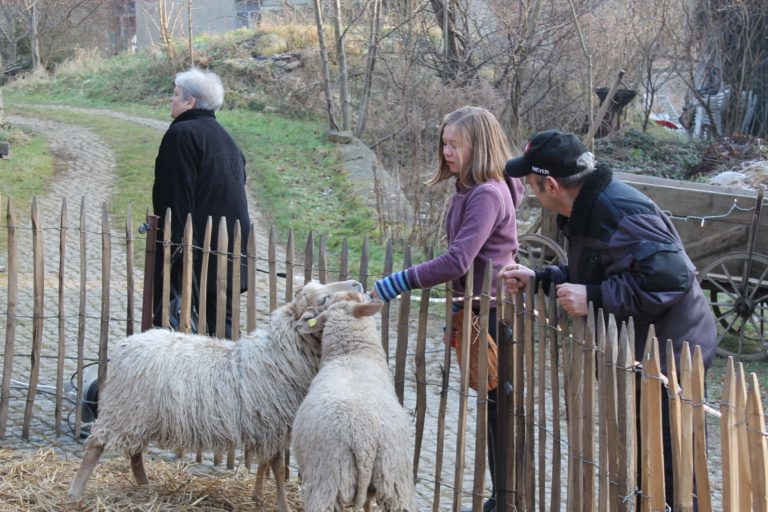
572,298
515,276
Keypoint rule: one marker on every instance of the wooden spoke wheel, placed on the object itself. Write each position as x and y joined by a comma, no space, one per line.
536,251
738,293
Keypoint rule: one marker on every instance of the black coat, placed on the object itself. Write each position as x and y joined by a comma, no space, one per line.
200,170
632,260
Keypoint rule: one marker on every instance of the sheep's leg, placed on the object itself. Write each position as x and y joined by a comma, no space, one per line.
248,458
90,459
259,485
137,466
278,468
367,506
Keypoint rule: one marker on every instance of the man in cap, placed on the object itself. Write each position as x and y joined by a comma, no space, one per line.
624,255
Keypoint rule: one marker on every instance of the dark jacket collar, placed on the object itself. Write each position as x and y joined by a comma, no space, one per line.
194,114
582,206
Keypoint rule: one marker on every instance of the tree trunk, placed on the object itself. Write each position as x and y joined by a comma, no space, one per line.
324,63
373,45
342,57
34,42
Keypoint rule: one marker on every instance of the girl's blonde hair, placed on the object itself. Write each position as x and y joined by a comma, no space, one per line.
490,149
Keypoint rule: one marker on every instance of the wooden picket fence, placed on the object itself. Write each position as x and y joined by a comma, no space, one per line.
567,396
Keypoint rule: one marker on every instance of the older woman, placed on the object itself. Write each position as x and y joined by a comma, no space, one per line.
199,170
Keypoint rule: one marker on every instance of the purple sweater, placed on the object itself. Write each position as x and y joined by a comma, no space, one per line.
481,226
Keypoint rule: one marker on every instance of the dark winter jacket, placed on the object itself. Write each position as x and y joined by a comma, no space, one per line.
200,170
628,253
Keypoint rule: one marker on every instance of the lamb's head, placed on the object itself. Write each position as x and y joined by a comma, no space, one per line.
347,322
314,298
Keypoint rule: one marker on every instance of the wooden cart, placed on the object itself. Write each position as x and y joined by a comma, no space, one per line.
724,234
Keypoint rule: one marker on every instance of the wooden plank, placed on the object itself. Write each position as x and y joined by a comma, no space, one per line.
185,318
520,432
729,445
12,270
758,445
458,475
290,256
685,467
652,463
385,310
62,352
529,470
611,408
541,406
202,320
130,279
221,296
575,417
505,406
106,280
344,261
603,421
554,365
235,296
443,404
401,349
675,426
626,407
251,294
566,344
222,246
81,313
309,249
700,463
742,442
421,372
150,252
164,315
481,430
38,314
363,274
588,414
713,244
236,270
272,266
322,260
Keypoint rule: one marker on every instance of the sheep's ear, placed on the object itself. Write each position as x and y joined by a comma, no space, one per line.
309,323
367,308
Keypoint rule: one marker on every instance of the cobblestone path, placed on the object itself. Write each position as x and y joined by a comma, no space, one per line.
85,168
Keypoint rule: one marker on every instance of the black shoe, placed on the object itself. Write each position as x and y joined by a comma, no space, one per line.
488,506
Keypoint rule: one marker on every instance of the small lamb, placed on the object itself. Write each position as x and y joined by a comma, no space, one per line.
190,391
350,435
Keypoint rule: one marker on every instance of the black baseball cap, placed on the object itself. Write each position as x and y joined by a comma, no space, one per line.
551,153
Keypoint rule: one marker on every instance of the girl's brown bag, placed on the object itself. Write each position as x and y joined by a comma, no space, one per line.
474,349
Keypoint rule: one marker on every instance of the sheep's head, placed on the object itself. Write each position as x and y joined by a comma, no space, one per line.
313,298
358,304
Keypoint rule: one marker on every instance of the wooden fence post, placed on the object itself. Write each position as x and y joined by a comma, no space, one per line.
10,316
464,387
150,250
421,372
446,370
481,431
58,414
37,315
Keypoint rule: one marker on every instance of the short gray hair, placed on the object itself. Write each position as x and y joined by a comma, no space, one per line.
203,85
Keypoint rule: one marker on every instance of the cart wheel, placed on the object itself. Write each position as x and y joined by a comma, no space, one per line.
537,251
740,308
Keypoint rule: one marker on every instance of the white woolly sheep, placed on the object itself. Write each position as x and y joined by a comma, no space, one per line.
190,391
350,436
